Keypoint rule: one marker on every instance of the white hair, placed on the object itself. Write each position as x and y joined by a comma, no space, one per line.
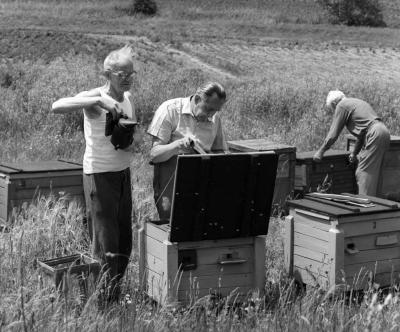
115,57
334,97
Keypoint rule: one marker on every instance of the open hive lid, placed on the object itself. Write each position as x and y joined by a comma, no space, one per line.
331,154
336,209
219,196
39,166
259,144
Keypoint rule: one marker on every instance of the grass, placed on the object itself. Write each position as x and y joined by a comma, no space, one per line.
277,59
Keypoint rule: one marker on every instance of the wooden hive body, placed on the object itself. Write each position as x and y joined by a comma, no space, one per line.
330,246
185,271
284,184
21,182
389,185
334,165
215,240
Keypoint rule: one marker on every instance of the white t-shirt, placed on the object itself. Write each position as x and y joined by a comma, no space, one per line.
100,155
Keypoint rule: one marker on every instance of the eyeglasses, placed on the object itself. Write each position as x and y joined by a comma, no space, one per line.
124,76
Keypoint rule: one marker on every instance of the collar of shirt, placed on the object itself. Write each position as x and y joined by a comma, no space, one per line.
187,109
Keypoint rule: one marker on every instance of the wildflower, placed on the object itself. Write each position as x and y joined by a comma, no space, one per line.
127,299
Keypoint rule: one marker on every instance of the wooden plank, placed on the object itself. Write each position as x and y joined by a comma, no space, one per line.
386,266
390,181
235,294
312,243
380,201
142,257
372,255
382,279
289,243
368,242
154,263
18,176
313,279
32,193
215,282
305,204
156,232
370,227
310,231
156,284
309,253
313,266
259,264
213,255
336,255
80,199
217,269
61,181
233,242
378,216
170,259
312,222
154,247
312,216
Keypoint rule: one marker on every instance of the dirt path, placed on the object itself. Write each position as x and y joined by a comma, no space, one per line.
178,56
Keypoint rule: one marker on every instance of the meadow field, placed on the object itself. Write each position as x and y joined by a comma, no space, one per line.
277,60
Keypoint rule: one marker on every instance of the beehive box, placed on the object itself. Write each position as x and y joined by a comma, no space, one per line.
20,182
78,264
330,244
215,240
334,167
389,185
284,184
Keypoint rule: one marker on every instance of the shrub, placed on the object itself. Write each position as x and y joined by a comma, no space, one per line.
146,7
355,12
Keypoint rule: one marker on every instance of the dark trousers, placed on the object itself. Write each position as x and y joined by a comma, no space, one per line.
108,199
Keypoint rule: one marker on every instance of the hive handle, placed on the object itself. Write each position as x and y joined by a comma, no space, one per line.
387,240
232,261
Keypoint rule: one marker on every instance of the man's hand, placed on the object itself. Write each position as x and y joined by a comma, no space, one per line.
352,158
318,156
112,107
185,143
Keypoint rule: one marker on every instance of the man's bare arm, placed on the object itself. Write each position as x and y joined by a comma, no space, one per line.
161,151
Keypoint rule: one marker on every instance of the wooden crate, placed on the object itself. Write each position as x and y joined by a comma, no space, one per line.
331,244
77,264
389,185
334,167
214,242
21,182
284,184
185,271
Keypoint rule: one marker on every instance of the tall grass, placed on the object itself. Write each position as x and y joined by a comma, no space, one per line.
285,110
51,227
280,102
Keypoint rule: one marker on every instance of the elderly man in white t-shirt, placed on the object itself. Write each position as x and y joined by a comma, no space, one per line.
106,163
179,126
